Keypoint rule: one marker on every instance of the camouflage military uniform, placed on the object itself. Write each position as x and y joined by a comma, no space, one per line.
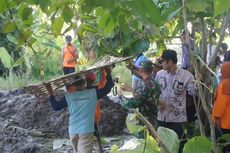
146,99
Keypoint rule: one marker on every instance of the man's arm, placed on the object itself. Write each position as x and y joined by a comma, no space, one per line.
108,86
56,105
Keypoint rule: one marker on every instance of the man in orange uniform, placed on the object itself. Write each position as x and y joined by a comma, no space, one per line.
90,78
221,113
69,56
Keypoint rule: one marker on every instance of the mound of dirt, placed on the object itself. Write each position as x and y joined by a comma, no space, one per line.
22,117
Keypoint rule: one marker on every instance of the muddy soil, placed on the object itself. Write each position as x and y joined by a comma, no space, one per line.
29,126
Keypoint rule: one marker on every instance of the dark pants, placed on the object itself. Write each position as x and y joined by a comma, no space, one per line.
68,70
226,149
177,127
98,137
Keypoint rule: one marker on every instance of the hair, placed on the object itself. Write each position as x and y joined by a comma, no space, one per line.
170,54
224,46
148,66
78,82
227,56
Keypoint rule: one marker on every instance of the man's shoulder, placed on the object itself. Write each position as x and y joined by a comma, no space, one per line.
185,72
162,72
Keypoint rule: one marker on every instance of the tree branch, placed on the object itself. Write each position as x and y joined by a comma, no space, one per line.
225,25
200,89
151,130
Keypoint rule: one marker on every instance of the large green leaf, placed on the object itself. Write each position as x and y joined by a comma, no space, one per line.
3,5
169,138
5,57
18,62
44,4
198,144
9,27
220,6
147,10
67,14
197,5
27,11
57,25
139,46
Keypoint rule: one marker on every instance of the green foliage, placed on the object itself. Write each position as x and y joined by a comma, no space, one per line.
169,138
6,59
220,6
198,144
197,5
132,124
14,81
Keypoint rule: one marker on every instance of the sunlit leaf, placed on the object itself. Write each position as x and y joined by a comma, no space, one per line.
5,57
198,144
18,62
197,5
132,124
9,27
57,25
3,5
169,138
220,6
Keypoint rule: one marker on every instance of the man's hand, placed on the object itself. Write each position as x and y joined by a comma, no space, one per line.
49,88
217,121
108,70
162,105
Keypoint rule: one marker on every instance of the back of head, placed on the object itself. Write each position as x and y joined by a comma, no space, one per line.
78,82
227,56
147,66
224,46
169,55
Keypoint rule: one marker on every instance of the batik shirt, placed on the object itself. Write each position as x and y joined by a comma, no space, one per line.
173,92
146,99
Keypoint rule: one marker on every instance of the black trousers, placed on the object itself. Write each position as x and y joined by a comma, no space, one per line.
68,70
226,149
177,127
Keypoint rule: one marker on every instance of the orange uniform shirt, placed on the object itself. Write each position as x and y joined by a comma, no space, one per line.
221,107
69,53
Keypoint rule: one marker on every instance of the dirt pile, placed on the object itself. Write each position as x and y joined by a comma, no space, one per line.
23,119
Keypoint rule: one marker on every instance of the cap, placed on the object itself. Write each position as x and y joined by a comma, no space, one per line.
91,76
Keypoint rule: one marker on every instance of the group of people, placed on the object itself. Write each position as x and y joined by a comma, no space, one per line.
159,91
161,94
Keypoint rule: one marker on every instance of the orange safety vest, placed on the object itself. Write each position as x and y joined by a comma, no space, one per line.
69,54
221,108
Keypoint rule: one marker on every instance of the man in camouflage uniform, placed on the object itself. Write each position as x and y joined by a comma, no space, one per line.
146,96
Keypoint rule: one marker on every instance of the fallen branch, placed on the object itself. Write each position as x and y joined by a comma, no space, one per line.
151,130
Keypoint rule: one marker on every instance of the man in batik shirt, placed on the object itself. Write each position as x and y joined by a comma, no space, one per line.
175,83
146,96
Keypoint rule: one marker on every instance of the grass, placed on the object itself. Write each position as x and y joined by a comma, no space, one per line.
13,81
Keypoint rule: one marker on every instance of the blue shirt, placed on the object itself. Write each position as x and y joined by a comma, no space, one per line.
140,59
81,106
81,119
